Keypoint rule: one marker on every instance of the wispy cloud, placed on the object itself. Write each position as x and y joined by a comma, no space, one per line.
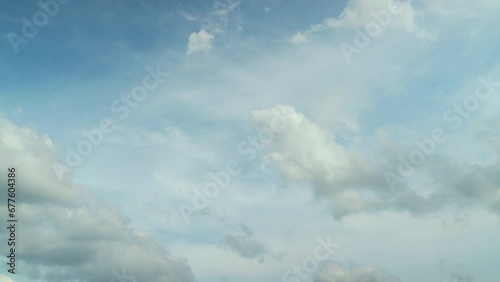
216,23
368,15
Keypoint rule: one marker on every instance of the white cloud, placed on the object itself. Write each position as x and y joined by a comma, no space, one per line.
313,153
358,13
298,38
316,81
216,22
4,278
351,183
77,236
304,152
200,42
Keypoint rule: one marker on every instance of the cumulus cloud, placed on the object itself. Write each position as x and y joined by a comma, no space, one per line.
200,41
67,233
352,183
314,154
305,152
358,14
350,272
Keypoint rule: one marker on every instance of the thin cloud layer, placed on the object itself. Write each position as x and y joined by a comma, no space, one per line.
359,14
336,272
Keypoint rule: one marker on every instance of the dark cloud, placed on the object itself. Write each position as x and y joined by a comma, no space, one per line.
245,244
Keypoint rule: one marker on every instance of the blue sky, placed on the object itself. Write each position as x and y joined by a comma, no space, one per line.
317,139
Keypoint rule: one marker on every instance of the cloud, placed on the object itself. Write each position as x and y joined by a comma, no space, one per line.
26,146
200,42
69,234
333,272
298,38
358,13
222,10
245,244
351,183
4,278
314,154
304,152
215,23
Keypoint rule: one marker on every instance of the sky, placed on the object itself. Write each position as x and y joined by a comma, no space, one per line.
264,140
